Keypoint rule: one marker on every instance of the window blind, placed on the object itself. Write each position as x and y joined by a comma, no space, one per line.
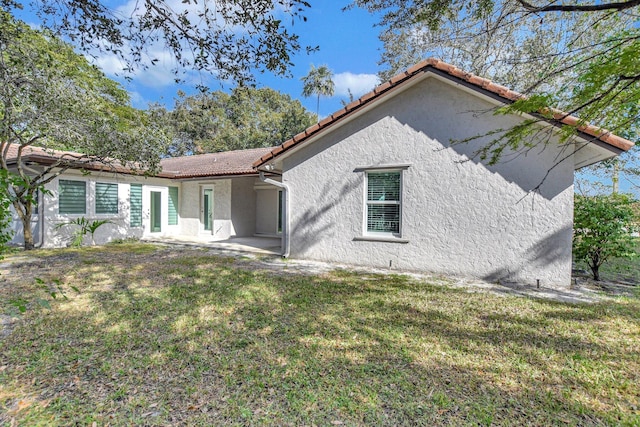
383,202
72,197
106,198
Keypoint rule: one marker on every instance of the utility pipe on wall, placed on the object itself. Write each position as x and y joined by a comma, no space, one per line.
41,208
286,246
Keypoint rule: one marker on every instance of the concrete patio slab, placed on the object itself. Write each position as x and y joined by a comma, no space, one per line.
256,245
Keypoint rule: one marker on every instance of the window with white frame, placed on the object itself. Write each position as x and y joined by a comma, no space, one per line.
384,202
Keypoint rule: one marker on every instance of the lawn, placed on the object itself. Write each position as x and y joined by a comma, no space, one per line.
158,336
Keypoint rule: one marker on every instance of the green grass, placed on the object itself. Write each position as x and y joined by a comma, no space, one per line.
166,337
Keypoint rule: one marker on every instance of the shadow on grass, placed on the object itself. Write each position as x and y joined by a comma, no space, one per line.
196,340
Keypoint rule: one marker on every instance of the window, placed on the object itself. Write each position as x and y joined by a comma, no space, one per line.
72,197
383,202
135,205
106,198
173,205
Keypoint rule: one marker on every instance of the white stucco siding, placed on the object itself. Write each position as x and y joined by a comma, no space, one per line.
192,209
459,217
222,224
267,214
243,206
119,226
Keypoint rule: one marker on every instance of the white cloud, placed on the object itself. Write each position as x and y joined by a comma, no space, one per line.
137,100
158,62
155,76
359,84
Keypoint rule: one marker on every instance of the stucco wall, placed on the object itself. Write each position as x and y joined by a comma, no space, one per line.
267,214
243,206
459,216
191,209
119,227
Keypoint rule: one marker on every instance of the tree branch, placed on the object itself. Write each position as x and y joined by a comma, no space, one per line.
580,8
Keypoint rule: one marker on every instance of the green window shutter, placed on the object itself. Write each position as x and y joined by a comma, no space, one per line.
173,205
106,198
72,197
135,208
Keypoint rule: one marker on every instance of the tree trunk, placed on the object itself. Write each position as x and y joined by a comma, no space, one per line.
615,176
28,235
595,271
24,212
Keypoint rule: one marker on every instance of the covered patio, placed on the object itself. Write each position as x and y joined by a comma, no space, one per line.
255,245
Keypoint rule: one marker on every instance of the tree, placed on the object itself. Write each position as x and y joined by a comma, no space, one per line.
579,57
220,121
228,38
52,98
318,82
603,225
5,215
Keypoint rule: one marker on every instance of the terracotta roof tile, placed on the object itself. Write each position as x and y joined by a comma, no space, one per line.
237,162
324,122
216,164
47,156
384,86
452,72
314,128
352,105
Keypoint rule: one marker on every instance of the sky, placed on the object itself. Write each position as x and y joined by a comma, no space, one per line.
349,46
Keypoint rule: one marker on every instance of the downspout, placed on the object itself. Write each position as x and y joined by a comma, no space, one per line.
41,209
286,246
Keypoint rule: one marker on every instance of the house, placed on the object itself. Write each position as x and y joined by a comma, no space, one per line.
378,183
192,196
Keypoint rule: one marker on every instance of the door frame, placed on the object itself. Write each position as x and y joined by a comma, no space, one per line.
203,190
155,211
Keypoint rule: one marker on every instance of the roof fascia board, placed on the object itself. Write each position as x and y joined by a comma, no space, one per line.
214,177
431,72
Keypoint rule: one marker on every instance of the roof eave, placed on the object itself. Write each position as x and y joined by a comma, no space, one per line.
593,134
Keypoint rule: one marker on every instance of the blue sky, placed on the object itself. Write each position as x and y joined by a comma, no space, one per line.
349,46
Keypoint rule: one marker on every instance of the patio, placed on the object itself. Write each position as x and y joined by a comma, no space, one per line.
256,244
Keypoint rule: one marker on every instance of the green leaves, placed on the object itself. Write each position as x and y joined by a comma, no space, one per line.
228,38
218,121
318,82
567,56
51,289
84,228
603,227
53,98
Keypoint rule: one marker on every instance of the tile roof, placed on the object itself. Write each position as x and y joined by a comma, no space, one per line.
237,162
449,71
78,160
